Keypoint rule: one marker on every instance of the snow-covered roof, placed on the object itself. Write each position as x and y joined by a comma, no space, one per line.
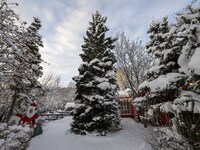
125,93
69,105
138,101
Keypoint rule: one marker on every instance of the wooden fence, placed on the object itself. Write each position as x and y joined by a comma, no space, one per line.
55,116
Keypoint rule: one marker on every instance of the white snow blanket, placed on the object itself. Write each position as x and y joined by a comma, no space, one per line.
57,136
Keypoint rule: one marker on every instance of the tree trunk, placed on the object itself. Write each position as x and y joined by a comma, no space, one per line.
14,98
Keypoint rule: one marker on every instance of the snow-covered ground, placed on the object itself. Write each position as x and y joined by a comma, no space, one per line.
57,136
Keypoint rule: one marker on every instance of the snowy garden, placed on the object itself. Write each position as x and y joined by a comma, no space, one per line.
126,95
57,136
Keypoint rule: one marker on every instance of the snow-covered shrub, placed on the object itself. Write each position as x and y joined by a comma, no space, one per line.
187,109
16,137
167,139
3,130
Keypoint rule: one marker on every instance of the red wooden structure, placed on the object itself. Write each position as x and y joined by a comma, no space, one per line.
126,108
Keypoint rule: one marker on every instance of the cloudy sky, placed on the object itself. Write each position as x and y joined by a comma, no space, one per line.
64,23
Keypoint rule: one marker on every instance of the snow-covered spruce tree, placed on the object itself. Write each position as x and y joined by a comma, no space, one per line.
97,107
187,105
163,79
17,68
33,42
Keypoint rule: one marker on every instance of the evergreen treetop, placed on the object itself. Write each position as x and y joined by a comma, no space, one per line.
95,41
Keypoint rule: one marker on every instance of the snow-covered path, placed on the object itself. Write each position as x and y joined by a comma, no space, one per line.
57,136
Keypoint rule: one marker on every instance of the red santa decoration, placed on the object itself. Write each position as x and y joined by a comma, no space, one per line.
29,118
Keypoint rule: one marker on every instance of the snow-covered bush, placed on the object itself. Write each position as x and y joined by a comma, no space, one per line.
15,137
167,139
187,110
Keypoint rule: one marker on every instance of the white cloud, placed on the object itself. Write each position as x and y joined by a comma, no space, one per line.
65,44
49,15
65,22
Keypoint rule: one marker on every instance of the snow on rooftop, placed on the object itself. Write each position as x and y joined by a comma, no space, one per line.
69,105
138,101
125,93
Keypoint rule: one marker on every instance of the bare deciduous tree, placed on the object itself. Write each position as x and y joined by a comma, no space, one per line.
50,81
54,97
132,62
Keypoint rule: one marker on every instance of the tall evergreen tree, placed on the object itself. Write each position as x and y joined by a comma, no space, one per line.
97,107
163,79
19,58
